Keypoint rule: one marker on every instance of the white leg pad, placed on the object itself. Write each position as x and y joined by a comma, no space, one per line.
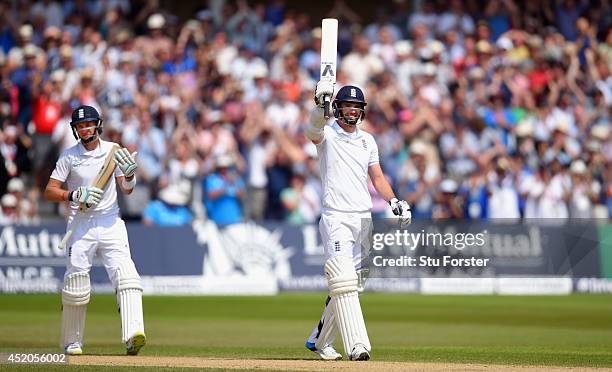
342,281
325,332
75,297
129,296
328,331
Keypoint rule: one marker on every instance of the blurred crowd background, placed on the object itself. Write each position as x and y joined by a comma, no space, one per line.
481,109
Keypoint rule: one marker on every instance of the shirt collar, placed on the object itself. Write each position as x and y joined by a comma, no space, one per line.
356,134
93,153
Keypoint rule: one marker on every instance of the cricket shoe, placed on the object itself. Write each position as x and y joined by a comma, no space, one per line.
359,353
73,349
135,343
327,353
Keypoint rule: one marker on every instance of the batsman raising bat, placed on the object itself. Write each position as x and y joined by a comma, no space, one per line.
95,228
347,156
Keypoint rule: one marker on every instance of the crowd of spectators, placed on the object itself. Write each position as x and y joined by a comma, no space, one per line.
481,109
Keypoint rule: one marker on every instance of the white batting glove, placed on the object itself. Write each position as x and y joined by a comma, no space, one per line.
126,162
401,209
324,88
90,196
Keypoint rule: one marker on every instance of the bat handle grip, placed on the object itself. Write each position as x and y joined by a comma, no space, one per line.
326,106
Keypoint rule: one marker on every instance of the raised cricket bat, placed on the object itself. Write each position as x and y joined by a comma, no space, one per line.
329,51
104,175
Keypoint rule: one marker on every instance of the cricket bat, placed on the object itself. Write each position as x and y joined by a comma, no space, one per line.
329,51
104,175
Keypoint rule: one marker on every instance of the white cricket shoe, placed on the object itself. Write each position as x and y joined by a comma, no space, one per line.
359,353
327,353
73,349
135,343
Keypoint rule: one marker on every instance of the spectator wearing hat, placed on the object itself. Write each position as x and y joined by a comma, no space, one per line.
224,191
8,212
17,54
584,192
26,207
503,199
407,66
155,41
310,57
72,73
448,204
170,209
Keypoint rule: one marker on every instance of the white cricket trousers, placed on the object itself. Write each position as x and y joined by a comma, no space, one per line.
102,235
344,233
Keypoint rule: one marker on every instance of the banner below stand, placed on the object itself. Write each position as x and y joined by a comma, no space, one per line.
268,258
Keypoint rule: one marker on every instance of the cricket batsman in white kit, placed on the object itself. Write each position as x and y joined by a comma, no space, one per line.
97,229
347,155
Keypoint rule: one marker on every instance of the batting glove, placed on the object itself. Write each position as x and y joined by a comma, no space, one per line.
324,88
90,196
401,209
126,162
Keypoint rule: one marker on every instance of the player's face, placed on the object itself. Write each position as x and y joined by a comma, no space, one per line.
351,110
86,129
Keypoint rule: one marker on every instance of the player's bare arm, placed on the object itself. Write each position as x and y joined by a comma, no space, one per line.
400,208
380,182
54,191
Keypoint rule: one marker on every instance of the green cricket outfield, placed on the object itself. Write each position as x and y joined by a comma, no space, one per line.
515,331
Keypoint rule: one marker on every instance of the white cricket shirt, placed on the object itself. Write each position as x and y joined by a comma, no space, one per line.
345,158
78,167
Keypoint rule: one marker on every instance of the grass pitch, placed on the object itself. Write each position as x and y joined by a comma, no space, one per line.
571,330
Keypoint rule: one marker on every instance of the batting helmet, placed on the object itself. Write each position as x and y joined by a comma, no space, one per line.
349,93
84,114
